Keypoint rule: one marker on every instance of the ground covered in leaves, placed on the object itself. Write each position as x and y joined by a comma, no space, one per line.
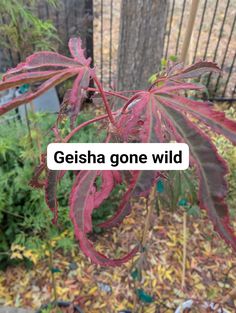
210,270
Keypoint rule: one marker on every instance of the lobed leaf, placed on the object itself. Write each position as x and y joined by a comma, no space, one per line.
26,78
140,185
98,258
211,169
216,120
192,71
28,97
42,59
75,46
83,199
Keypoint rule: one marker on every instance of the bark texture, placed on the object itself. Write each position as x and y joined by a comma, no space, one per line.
142,29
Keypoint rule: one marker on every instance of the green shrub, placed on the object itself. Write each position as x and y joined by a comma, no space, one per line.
23,212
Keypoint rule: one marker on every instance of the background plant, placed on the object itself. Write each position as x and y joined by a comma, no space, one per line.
160,114
22,32
24,216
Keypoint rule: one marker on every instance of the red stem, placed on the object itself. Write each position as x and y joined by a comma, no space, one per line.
128,102
79,127
108,109
113,93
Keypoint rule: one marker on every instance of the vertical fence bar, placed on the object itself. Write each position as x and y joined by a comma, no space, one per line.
180,27
166,23
101,38
211,27
219,38
170,28
228,77
89,25
47,10
66,20
110,46
200,30
226,52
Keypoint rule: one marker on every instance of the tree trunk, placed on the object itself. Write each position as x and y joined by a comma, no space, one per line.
142,29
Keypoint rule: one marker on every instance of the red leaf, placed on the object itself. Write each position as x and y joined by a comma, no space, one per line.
195,70
83,199
35,182
211,169
28,97
75,46
216,120
76,95
109,180
50,192
174,86
140,185
26,78
64,68
42,59
98,258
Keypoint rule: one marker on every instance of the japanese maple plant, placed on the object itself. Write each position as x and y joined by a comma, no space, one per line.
161,113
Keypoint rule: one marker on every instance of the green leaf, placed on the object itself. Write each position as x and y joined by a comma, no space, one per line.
55,270
136,274
24,88
143,296
160,186
194,211
183,202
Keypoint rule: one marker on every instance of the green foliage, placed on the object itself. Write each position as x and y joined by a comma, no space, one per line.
22,32
179,190
143,296
24,216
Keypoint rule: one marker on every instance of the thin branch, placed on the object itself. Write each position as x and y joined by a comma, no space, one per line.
108,109
113,93
184,250
79,127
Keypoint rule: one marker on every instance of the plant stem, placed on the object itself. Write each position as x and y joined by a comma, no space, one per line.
184,249
79,127
38,132
108,109
28,126
13,214
113,93
150,207
54,287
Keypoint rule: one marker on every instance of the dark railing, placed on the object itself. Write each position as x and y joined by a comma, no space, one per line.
97,21
213,38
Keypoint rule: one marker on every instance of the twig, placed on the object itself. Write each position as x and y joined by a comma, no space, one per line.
184,250
54,287
150,201
231,294
150,207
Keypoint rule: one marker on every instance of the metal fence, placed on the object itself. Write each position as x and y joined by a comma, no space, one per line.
213,38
